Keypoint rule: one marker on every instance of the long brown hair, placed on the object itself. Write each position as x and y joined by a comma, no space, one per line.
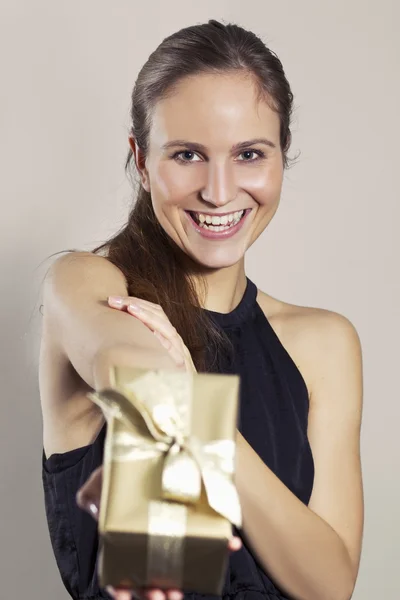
154,266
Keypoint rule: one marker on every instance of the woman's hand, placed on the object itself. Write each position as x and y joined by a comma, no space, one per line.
154,317
88,498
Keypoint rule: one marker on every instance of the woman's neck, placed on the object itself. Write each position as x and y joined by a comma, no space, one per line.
224,288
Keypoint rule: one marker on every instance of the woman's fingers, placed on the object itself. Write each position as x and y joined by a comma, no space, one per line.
153,316
153,594
235,543
149,594
175,595
122,303
155,320
123,595
88,496
120,593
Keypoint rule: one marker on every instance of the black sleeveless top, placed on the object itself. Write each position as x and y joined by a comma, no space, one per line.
273,419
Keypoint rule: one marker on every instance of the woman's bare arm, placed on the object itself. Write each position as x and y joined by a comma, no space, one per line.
84,328
80,328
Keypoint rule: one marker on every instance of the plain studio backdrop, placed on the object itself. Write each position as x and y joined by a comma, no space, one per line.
67,70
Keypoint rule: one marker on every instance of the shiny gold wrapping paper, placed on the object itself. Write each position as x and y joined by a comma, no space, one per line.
168,498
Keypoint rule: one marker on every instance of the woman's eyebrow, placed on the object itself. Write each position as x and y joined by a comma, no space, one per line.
201,148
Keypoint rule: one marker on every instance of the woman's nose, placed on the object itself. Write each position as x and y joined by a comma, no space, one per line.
220,188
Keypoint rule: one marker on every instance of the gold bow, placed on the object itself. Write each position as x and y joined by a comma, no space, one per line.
156,409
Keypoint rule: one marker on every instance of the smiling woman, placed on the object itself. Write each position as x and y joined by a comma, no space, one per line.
209,141
220,174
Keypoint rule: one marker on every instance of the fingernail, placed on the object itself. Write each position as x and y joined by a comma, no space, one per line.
135,308
124,595
118,594
93,509
116,300
157,595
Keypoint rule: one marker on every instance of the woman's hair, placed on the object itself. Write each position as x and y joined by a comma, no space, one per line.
155,268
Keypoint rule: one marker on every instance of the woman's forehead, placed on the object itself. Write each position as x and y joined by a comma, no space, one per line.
210,106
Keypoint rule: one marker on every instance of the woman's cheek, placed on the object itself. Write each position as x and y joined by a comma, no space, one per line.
265,195
174,182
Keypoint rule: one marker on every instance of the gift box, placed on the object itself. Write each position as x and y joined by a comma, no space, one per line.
168,498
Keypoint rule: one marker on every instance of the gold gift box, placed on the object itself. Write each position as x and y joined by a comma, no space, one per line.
168,499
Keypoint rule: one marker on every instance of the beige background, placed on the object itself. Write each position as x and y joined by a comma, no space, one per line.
67,69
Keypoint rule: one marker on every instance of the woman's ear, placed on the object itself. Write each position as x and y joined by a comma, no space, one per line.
140,163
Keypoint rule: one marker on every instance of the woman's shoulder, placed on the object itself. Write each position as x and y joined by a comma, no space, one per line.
73,263
299,319
305,331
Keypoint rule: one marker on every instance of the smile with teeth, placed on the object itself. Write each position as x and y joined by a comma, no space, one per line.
214,223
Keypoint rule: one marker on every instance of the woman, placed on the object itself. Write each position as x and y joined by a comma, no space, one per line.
210,134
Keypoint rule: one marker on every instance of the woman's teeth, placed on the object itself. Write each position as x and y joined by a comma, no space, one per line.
218,223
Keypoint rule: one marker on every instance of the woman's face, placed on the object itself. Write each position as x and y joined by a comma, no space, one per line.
213,151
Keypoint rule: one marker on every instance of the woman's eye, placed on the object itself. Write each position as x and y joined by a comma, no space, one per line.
185,156
248,153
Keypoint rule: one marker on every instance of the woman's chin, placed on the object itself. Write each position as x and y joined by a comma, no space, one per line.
214,263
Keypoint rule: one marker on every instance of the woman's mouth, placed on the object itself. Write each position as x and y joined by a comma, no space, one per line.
217,226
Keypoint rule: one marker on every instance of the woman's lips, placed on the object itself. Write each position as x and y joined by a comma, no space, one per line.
218,235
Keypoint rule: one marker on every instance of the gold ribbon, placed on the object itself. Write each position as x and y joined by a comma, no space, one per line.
156,408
